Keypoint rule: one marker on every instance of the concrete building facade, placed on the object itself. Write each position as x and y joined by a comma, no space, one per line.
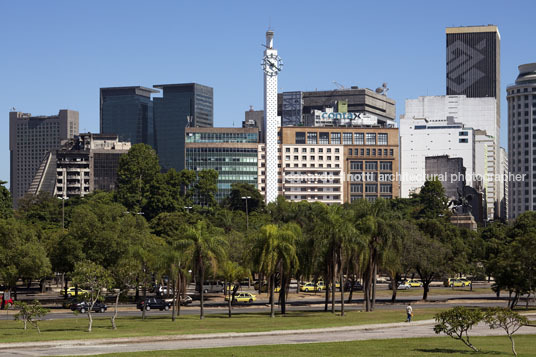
521,98
82,165
31,138
336,164
476,113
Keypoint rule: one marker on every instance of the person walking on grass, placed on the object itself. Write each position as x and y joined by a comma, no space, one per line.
409,311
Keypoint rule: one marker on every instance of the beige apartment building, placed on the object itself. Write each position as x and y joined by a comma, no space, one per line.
335,164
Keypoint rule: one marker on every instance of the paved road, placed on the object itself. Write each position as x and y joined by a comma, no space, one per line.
355,333
312,303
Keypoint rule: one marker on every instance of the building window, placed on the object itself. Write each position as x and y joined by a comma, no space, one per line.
336,138
350,152
463,133
371,139
304,150
382,139
356,165
371,188
359,138
386,188
391,152
371,165
355,197
356,188
324,138
311,138
300,138
386,166
463,140
374,152
347,138
368,152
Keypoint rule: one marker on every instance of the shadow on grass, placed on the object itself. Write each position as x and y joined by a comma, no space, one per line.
451,351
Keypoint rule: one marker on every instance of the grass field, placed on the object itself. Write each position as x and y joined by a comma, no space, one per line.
76,328
410,347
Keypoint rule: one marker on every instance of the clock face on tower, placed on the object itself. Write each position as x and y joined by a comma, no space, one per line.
272,64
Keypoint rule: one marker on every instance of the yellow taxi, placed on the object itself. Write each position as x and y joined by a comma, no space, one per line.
308,287
243,297
459,283
414,283
71,292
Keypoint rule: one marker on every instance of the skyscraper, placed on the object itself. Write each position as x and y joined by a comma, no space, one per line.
473,61
128,113
181,106
473,70
521,98
30,139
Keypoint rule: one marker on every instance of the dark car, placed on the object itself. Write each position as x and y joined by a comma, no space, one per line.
153,303
355,286
84,307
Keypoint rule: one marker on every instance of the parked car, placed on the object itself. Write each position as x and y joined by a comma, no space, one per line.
307,287
185,300
450,282
264,288
459,283
153,303
414,283
356,286
243,297
402,285
72,292
84,306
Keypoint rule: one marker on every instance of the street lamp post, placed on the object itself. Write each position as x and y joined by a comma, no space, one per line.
187,208
63,198
247,214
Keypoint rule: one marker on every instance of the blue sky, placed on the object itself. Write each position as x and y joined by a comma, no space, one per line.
57,54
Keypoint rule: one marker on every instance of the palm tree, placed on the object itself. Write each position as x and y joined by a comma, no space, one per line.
232,272
336,234
378,222
206,248
276,252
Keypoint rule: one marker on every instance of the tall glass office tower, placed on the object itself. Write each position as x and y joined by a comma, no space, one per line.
128,113
181,106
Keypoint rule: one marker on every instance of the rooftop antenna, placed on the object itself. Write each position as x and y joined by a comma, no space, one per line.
383,89
339,86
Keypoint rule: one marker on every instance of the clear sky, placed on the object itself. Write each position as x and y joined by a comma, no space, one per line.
57,54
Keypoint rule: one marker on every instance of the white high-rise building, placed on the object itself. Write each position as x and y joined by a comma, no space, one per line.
272,66
477,113
421,137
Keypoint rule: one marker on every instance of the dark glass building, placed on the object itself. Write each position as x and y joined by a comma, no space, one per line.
473,61
128,113
232,152
181,106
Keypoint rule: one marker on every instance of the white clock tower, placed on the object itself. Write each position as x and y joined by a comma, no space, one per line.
271,65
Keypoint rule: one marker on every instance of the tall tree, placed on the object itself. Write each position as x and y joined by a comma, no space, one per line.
206,248
6,204
206,187
136,172
276,253
235,200
381,226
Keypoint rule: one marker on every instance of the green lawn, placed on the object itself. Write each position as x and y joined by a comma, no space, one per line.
12,331
410,347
